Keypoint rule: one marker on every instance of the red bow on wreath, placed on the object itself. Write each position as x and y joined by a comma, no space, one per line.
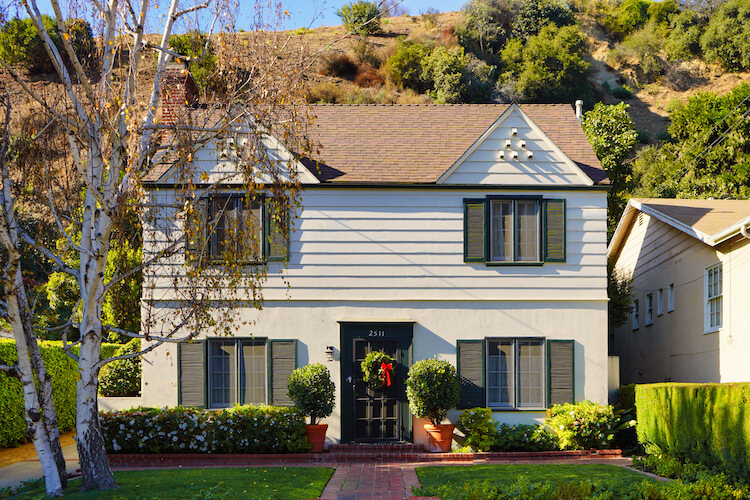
386,367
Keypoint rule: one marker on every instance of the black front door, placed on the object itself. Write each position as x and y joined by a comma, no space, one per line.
375,413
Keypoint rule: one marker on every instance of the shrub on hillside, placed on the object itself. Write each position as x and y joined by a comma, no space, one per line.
362,17
582,425
122,377
683,40
487,24
339,65
192,44
243,429
533,15
454,76
406,65
726,41
367,76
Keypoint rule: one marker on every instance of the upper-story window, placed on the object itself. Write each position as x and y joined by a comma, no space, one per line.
233,228
518,230
649,309
713,283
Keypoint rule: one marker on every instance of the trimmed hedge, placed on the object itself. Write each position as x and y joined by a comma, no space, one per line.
702,423
63,371
242,429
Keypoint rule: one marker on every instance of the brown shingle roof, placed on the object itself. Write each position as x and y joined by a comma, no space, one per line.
710,217
419,143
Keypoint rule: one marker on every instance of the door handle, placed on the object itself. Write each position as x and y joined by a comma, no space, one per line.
349,379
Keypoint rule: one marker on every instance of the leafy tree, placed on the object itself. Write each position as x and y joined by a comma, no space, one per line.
487,25
683,40
533,15
620,293
196,46
362,17
660,13
454,76
612,134
709,155
726,41
627,17
550,66
406,65
20,44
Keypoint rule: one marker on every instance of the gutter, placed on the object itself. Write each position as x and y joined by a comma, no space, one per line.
744,230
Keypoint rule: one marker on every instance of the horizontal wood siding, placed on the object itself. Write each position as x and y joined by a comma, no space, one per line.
408,245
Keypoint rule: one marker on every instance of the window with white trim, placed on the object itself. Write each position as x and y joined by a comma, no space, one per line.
714,281
649,308
670,298
236,372
515,373
636,313
660,302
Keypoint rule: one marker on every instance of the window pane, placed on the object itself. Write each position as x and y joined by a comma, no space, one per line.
502,230
530,373
499,373
253,366
222,374
527,220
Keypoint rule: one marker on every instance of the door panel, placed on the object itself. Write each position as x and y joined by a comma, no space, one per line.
375,412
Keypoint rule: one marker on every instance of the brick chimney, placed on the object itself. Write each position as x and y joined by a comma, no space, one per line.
178,92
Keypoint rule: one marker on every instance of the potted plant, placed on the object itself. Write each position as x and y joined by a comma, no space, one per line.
433,389
312,391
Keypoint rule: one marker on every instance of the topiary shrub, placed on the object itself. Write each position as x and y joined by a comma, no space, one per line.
432,389
362,18
479,428
582,425
122,377
312,391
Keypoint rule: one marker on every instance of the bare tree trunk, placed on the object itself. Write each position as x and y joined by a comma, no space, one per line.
36,429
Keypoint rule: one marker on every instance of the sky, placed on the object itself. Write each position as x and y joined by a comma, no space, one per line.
315,13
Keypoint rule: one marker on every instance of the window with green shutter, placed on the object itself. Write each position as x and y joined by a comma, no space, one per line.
231,228
514,230
506,373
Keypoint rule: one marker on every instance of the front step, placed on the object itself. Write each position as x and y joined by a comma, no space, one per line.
387,452
376,447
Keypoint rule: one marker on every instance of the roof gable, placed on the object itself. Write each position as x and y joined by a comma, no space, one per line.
419,143
514,151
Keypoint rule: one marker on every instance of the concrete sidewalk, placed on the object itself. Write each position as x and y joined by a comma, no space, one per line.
16,473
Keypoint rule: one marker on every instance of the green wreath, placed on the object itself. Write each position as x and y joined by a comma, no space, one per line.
372,369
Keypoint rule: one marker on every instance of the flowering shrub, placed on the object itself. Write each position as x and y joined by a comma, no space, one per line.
243,429
524,438
582,425
479,428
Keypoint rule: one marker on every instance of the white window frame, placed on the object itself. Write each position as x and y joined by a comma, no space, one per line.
713,283
660,302
238,371
649,309
514,374
670,298
635,312
496,237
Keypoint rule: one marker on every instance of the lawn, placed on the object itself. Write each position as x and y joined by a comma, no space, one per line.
291,483
500,477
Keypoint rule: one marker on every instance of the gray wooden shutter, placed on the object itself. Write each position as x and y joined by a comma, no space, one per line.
554,230
192,377
276,232
475,247
561,372
282,361
196,241
470,354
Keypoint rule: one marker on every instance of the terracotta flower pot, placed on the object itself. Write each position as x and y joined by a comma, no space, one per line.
439,437
316,434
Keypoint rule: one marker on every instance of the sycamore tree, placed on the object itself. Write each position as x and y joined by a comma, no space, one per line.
100,133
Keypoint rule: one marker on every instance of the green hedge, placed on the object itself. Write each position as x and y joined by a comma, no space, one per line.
63,371
242,429
703,423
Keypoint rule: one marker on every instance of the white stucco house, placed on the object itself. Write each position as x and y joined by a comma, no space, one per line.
474,233
689,261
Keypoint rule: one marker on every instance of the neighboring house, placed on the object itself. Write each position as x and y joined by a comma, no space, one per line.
474,233
690,265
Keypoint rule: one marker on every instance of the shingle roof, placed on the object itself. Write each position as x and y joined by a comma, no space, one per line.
419,143
710,221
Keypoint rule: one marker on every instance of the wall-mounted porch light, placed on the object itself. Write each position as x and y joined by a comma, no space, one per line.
329,353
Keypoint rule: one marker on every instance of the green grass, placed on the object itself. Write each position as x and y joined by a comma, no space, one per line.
505,475
186,484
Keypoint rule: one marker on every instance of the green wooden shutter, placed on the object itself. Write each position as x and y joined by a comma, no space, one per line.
276,232
196,240
560,372
475,246
470,354
192,374
282,355
554,230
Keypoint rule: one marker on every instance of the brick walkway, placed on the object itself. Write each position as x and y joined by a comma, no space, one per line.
362,481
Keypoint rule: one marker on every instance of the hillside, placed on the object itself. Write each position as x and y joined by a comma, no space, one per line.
649,102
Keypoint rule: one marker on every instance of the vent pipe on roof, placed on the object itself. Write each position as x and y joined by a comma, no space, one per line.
579,109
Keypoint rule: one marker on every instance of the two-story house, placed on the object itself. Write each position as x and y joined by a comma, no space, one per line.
689,262
471,233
